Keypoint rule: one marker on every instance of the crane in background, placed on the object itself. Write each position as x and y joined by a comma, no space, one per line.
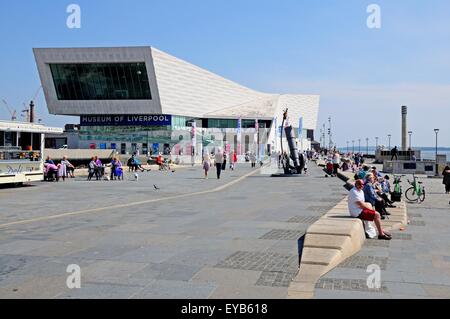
12,112
29,113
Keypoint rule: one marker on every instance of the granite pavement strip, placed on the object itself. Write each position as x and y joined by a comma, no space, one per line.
414,265
240,242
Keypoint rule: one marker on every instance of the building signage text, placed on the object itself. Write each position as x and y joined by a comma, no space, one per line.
126,120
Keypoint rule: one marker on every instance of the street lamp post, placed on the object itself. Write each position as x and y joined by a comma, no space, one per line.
436,130
367,145
348,148
321,136
376,145
410,148
389,136
324,137
329,133
353,147
359,145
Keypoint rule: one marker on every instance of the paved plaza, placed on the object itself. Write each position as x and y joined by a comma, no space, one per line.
192,238
237,237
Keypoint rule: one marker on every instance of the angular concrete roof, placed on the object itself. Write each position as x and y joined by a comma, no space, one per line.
178,88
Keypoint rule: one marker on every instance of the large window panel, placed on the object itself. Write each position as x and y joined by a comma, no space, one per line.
101,81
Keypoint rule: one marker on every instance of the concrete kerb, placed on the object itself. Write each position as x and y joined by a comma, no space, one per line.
333,239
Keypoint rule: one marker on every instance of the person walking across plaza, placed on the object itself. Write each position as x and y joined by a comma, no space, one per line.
224,165
233,160
92,168
219,161
446,180
253,159
207,164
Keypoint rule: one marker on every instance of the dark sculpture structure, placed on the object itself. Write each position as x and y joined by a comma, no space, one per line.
298,164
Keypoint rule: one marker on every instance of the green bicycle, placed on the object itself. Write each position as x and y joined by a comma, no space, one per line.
417,192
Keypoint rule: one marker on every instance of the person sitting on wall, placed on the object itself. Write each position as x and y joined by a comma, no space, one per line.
50,172
362,173
130,164
372,197
386,191
160,161
49,161
119,170
359,208
70,168
138,165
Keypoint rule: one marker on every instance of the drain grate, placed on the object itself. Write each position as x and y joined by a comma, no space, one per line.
400,236
283,234
320,208
348,284
419,223
260,261
304,219
275,279
377,243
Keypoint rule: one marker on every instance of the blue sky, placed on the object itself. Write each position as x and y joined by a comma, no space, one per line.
291,46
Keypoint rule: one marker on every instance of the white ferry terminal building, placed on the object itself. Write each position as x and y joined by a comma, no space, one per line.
140,99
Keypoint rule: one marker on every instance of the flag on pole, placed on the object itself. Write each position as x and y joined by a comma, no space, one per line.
239,126
300,128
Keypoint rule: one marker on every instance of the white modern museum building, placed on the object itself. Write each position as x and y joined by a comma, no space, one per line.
140,99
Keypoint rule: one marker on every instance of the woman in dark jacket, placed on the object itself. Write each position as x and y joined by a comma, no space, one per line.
446,180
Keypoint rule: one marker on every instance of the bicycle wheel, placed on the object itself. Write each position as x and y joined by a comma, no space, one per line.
422,196
411,195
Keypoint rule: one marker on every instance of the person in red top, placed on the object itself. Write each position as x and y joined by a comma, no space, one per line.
233,160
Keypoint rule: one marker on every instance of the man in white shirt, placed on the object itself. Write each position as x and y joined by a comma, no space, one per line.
358,208
336,163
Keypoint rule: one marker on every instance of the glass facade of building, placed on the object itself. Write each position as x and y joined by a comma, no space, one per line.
101,81
222,123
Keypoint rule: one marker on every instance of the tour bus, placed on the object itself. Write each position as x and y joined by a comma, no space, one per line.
22,151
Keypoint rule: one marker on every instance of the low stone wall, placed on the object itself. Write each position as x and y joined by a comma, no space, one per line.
331,240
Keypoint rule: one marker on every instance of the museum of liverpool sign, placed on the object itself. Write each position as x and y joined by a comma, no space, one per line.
126,120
